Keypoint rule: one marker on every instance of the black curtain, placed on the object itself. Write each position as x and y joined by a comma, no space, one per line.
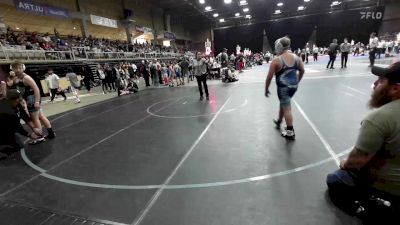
249,36
299,30
347,24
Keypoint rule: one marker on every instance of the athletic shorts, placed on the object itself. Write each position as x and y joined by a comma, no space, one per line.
285,95
30,102
73,89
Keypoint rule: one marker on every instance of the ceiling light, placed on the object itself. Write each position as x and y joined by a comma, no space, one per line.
17,28
237,14
202,1
208,8
243,2
227,1
248,16
280,4
300,8
306,0
334,3
221,20
245,9
215,15
74,28
278,11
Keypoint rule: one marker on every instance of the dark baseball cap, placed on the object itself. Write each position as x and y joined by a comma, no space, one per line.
13,94
391,72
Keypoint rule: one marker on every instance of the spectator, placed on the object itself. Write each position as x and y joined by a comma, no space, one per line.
87,78
372,169
200,71
53,83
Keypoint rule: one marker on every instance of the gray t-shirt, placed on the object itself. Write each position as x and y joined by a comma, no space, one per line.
380,135
73,79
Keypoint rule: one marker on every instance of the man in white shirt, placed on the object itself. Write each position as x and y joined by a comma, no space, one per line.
53,84
373,45
134,67
381,48
315,53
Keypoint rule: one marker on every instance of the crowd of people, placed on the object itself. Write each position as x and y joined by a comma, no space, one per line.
24,40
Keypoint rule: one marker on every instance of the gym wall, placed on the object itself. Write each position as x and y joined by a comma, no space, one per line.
249,36
338,25
391,19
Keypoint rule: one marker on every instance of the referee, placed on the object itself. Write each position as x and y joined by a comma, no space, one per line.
345,49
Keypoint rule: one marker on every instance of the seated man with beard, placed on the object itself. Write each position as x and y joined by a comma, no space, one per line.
367,184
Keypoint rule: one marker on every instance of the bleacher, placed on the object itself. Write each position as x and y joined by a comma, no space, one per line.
26,46
7,55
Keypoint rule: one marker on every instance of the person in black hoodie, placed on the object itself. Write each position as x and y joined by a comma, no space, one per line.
333,48
109,77
145,73
87,77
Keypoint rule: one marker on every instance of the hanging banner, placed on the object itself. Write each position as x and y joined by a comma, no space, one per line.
139,29
144,30
147,30
40,9
169,35
103,21
207,44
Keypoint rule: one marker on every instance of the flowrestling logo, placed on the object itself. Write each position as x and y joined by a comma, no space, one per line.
371,15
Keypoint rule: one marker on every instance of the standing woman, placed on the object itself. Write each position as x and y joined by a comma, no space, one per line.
285,68
32,97
200,71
